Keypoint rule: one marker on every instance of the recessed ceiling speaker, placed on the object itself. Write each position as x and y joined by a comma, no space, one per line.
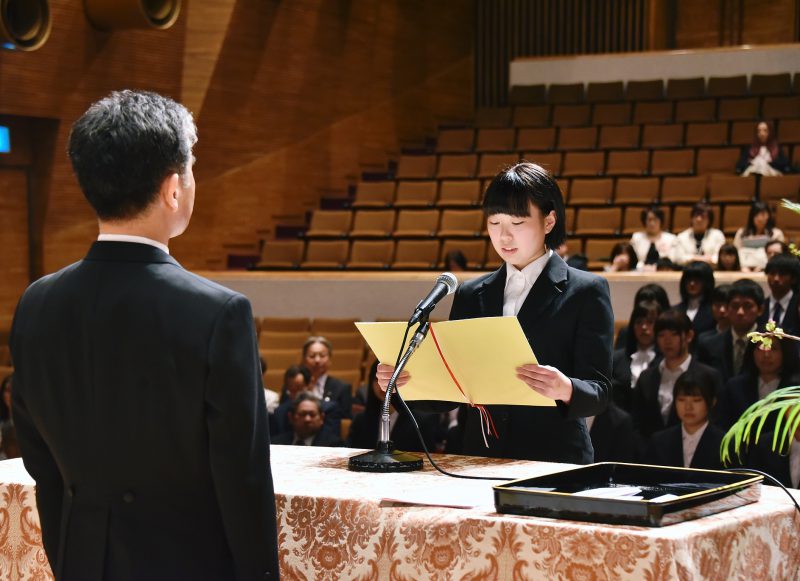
24,24
119,14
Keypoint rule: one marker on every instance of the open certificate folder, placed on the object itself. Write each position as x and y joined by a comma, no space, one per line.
482,354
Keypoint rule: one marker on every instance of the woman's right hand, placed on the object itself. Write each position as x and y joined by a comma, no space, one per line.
384,374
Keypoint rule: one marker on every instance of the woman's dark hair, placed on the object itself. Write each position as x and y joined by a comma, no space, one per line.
455,257
654,209
696,381
757,208
703,209
790,365
123,148
730,250
771,144
291,372
721,293
652,292
625,248
781,243
642,309
513,190
673,320
701,271
5,412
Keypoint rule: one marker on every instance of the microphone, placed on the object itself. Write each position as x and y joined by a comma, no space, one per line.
445,285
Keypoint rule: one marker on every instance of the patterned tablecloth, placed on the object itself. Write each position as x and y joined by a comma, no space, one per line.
335,524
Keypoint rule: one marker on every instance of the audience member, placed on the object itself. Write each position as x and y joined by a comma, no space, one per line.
317,353
752,238
455,261
297,380
725,351
783,274
637,354
728,259
647,292
719,311
270,396
364,429
699,242
784,465
623,258
578,261
775,247
653,243
652,396
306,419
8,433
664,264
614,438
696,287
695,443
764,156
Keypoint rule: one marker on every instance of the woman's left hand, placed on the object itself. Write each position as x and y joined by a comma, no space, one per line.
546,380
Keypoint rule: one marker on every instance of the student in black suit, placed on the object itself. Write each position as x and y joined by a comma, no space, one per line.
565,314
138,397
646,292
725,351
783,274
696,287
317,354
638,354
782,465
719,311
614,438
695,442
306,419
652,396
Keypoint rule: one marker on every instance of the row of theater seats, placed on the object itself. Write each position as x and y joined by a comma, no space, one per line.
622,135
658,162
653,90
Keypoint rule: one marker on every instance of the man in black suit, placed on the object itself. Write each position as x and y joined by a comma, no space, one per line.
614,438
317,353
138,398
725,351
782,466
306,419
783,273
565,314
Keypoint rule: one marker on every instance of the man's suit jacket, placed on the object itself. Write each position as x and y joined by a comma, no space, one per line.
140,414
703,319
613,436
760,456
740,393
717,352
622,392
569,324
341,393
791,318
332,425
322,438
666,448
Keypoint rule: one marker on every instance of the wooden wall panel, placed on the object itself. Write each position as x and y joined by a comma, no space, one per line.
13,239
770,22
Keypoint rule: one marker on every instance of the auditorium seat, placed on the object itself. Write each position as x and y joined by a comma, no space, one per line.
346,360
329,224
731,188
695,111
636,190
374,194
742,133
536,139
334,326
738,109
652,112
619,137
283,340
492,117
645,90
459,193
657,136
577,138
551,162
598,221
457,166
778,84
689,88
734,217
273,379
467,223
598,251
416,167
281,254
632,219
455,140
628,163
495,140
680,189
531,116
608,92
775,188
591,191
372,254
413,193
571,115
280,358
781,107
416,223
285,324
565,93
672,162
473,250
326,254
788,131
786,219
735,86
493,163
415,254
569,219
611,114
493,260
717,160
527,95
373,224
578,163
706,134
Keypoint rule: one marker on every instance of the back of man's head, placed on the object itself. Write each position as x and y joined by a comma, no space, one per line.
748,289
123,148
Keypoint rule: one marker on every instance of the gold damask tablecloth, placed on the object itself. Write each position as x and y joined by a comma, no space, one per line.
335,524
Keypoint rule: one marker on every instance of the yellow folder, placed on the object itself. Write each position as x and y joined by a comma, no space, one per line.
482,353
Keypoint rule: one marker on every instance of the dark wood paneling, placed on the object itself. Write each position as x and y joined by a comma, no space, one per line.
13,238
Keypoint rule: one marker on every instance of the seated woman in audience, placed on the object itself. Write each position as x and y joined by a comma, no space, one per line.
699,242
623,258
728,259
753,238
653,243
696,287
695,442
637,354
317,354
764,156
647,292
364,429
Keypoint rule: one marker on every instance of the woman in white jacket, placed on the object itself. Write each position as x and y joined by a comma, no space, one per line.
653,243
700,242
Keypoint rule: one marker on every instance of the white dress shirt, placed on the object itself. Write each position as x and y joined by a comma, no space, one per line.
319,385
794,464
692,307
641,245
640,361
519,283
686,245
784,303
767,387
668,379
690,442
135,239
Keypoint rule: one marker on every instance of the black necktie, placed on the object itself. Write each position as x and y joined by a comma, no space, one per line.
777,313
652,254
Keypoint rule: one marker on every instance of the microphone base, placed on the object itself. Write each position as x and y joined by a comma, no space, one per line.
385,459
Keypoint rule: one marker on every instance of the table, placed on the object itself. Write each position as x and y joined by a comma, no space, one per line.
335,524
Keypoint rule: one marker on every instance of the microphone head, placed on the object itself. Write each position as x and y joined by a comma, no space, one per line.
449,280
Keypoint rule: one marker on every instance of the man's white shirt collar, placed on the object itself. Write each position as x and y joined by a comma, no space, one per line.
134,239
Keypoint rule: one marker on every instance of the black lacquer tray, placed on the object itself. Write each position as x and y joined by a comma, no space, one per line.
699,493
